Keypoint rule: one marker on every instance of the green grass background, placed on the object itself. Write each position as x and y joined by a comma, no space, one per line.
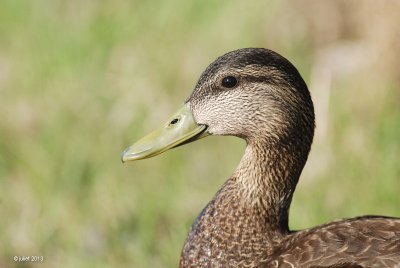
81,80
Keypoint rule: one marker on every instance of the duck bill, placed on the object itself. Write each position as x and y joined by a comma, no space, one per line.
180,129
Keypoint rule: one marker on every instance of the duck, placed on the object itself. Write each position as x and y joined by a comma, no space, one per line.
257,95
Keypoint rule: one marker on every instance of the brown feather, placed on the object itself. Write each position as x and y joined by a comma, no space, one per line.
246,223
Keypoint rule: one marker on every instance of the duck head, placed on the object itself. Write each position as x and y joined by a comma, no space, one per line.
252,93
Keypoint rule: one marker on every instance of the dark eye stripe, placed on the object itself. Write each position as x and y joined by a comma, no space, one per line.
229,82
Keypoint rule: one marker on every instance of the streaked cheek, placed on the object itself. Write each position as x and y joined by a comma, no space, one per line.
224,114
202,111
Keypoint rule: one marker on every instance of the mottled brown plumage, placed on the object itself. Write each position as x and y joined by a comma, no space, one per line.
246,223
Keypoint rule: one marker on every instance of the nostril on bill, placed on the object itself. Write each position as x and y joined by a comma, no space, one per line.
174,121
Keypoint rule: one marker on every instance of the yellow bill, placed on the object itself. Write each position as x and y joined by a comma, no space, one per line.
180,129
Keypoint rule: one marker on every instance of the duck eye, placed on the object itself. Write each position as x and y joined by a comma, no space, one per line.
229,81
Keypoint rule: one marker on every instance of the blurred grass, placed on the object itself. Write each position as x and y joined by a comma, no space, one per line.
79,81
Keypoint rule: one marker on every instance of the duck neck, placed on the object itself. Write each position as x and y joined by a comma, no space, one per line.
249,214
266,179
